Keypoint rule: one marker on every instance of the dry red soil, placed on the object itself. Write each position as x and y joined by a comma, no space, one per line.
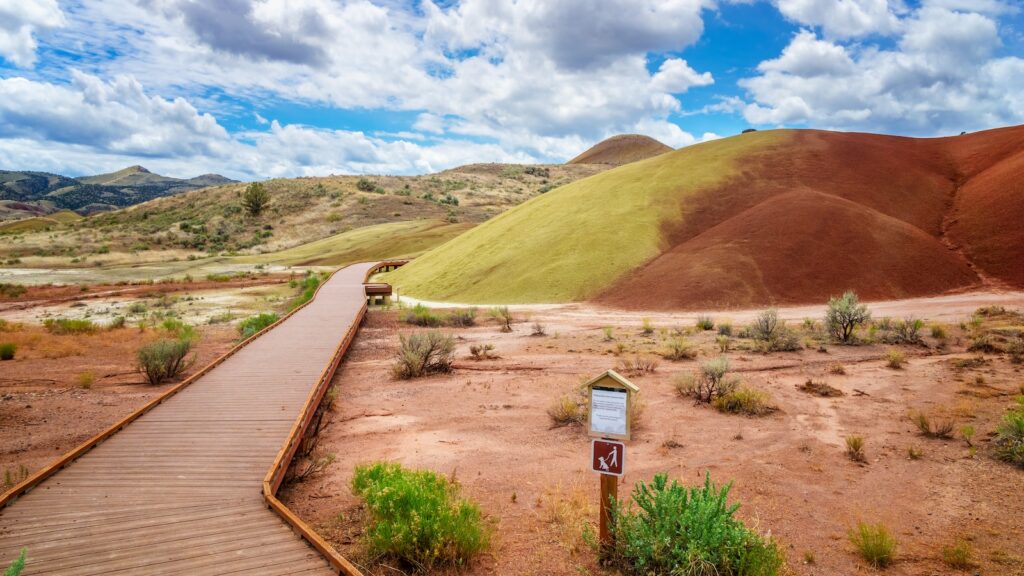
621,149
60,390
821,212
486,425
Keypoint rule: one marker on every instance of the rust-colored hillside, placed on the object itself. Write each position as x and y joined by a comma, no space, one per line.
820,212
621,149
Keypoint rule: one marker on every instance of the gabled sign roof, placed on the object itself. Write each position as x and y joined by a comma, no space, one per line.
617,378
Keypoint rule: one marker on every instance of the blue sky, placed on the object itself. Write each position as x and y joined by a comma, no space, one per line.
274,88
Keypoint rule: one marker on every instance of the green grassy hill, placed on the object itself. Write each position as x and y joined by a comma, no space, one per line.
569,243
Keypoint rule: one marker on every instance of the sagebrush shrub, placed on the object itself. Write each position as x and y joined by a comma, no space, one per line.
164,359
420,315
705,323
747,401
1009,440
844,315
874,543
895,359
424,354
7,350
667,528
679,349
709,382
504,317
461,318
771,333
254,324
418,517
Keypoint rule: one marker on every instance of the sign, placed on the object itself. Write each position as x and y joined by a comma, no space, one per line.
608,457
610,397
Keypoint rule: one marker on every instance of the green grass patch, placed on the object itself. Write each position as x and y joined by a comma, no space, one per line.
307,289
7,350
575,240
875,543
69,326
418,517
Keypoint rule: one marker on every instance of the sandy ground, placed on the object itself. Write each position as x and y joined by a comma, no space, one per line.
486,425
61,390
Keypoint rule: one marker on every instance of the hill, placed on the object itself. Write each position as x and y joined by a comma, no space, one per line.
784,216
32,194
621,149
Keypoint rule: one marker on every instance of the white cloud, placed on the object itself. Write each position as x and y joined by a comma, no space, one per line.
19,22
845,18
940,79
675,76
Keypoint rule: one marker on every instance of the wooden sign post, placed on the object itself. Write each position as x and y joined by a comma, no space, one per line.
611,400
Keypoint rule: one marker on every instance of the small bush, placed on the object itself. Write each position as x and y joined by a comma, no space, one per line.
837,369
874,543
69,326
424,354
938,331
724,329
844,315
364,185
255,199
254,324
906,331
567,411
985,344
178,329
822,389
504,317
895,359
723,342
538,329
9,290
1015,348
308,286
481,351
85,379
164,359
609,333
705,323
1009,440
771,333
914,453
646,328
670,529
958,555
932,428
420,315
418,517
7,350
463,318
747,401
679,349
855,448
638,365
709,382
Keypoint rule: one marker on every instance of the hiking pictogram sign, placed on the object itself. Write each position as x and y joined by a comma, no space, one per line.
608,457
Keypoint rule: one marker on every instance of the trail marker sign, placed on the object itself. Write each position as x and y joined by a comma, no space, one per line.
608,457
611,398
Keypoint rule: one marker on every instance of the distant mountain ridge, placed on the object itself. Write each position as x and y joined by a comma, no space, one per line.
26,193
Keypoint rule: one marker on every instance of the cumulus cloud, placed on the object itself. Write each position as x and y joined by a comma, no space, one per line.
940,78
845,18
19,22
675,76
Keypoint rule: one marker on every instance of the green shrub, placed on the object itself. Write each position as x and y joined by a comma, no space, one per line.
7,350
164,359
253,324
874,543
504,317
420,315
895,359
671,529
747,401
1009,440
844,315
1015,348
116,323
461,318
938,331
705,323
771,333
308,287
724,329
364,185
17,566
69,326
418,517
8,290
255,199
679,349
985,344
709,382
567,410
906,331
424,354
178,329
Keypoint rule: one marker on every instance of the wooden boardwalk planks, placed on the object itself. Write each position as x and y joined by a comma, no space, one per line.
179,490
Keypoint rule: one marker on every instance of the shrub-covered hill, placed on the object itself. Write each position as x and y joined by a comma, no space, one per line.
785,216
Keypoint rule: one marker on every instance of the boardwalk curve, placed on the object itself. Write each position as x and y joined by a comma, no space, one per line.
184,487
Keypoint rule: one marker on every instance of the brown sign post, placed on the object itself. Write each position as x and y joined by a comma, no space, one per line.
611,398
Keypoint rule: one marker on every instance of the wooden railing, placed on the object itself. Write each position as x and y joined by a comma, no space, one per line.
275,476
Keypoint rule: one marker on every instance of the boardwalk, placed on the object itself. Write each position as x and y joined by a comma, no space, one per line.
178,491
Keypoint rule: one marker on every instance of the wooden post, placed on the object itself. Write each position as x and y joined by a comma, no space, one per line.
609,492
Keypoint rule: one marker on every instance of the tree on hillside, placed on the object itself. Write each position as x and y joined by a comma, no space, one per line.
255,199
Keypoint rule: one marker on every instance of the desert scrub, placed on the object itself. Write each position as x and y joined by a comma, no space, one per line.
418,517
958,555
253,324
1015,348
855,448
567,410
747,401
420,315
679,349
164,359
771,334
481,351
932,427
844,315
69,326
1009,440
667,528
874,543
710,381
705,323
423,354
7,350
504,317
17,566
461,318
637,366
895,359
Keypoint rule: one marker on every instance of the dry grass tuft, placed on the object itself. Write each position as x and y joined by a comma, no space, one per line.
819,389
855,448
